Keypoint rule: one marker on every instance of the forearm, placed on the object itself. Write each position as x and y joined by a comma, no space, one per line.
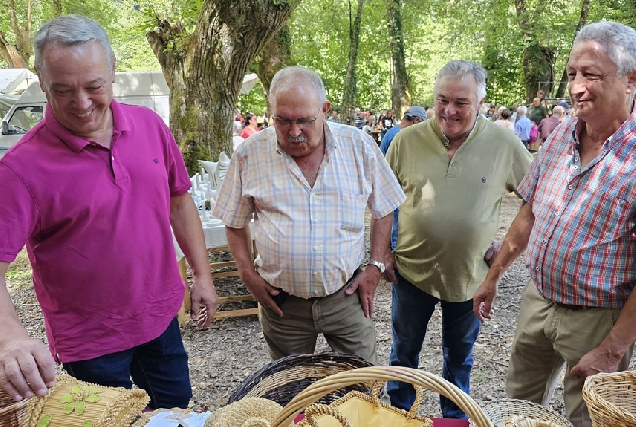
11,325
188,231
240,241
514,243
623,334
380,236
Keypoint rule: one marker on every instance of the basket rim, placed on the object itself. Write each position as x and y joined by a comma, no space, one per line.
502,409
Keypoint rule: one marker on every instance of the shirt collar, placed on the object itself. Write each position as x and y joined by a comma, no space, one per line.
443,137
77,143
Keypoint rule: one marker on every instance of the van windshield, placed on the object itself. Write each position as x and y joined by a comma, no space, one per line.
24,118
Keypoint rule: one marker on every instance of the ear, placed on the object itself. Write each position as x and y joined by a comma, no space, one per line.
326,106
631,81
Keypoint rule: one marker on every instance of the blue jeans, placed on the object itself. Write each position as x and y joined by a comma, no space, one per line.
160,367
410,312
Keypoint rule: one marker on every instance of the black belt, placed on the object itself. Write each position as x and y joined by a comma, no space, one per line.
569,306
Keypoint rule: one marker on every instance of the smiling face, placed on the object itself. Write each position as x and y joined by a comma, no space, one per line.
456,105
299,102
599,95
78,82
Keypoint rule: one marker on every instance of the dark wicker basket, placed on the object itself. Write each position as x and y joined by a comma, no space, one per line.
284,378
11,412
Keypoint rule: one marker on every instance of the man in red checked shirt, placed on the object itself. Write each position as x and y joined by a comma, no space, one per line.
578,221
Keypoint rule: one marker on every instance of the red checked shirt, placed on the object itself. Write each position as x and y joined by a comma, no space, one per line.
581,249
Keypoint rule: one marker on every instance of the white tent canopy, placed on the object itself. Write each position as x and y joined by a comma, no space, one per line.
249,81
14,81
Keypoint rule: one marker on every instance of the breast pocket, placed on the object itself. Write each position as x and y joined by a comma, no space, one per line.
612,220
351,212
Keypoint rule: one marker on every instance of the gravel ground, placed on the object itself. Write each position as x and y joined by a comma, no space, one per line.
231,349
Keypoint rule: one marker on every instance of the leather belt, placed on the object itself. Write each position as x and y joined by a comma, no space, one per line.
569,306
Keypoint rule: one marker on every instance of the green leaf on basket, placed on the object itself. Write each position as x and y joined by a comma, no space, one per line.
67,398
69,407
44,421
92,398
93,390
79,408
88,423
75,389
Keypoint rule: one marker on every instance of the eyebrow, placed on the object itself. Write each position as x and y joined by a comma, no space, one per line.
92,82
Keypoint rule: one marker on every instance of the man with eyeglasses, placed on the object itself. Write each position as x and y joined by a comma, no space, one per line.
307,183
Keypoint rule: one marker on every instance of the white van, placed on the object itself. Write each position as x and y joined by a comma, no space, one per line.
144,88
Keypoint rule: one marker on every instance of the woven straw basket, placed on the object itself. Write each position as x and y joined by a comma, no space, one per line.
284,378
521,413
611,399
381,373
74,403
11,412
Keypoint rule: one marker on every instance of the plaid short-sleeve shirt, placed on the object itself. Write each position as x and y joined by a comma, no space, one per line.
581,249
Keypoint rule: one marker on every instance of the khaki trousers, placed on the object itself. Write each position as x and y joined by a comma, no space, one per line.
338,317
548,338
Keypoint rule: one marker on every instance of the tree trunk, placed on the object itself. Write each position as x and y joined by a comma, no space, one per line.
401,89
17,55
585,9
538,60
351,90
273,57
205,70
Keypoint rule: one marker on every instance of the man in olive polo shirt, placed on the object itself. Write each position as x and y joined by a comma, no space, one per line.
454,170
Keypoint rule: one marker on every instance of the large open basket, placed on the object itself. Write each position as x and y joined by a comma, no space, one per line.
611,399
527,414
11,412
284,378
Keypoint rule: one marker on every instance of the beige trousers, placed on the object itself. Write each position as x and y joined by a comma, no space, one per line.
548,338
338,317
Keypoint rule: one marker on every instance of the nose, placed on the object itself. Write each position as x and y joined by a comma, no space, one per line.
577,84
82,99
294,129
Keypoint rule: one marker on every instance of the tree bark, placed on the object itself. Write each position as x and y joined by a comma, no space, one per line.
563,84
401,89
273,57
17,55
351,84
205,69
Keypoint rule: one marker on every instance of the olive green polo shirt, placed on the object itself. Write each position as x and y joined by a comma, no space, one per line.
451,213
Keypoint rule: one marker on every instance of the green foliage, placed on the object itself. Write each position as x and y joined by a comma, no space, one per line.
254,101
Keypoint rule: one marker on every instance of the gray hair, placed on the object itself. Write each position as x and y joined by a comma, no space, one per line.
70,30
558,110
521,110
617,40
459,68
290,77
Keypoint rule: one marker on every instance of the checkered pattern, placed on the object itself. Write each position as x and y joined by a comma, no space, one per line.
310,239
581,249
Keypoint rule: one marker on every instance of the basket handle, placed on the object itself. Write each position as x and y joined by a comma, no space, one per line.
376,389
318,409
383,373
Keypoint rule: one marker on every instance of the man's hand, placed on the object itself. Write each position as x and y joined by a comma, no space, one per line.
26,368
389,273
492,252
482,300
365,283
262,291
595,361
203,294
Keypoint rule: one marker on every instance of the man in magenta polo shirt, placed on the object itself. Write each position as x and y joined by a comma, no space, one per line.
93,191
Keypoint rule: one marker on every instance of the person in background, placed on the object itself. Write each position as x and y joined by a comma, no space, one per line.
388,121
250,125
415,114
334,117
504,120
306,183
577,221
548,124
537,111
93,190
523,126
454,178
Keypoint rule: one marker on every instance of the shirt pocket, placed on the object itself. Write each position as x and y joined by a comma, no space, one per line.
351,212
611,219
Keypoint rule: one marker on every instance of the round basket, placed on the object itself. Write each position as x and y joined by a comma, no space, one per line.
611,398
11,412
284,378
500,412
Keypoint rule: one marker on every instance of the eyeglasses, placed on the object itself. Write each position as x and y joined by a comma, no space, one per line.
302,122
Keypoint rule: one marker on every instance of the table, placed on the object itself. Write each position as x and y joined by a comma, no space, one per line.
215,240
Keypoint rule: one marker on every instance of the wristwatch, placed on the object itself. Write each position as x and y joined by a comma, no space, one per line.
378,264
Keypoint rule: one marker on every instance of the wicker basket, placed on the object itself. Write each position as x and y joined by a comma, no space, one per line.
284,378
501,414
611,398
382,373
11,412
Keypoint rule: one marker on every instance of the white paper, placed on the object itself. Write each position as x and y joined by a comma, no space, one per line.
173,419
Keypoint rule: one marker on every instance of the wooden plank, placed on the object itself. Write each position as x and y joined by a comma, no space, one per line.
235,298
236,313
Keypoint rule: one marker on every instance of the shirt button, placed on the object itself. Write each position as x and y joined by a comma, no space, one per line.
569,187
453,164
544,241
315,273
536,269
113,158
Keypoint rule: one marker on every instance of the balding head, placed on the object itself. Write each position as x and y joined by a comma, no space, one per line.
558,111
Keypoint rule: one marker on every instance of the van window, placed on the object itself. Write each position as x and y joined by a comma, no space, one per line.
24,118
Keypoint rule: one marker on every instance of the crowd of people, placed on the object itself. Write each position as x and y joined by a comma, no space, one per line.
98,188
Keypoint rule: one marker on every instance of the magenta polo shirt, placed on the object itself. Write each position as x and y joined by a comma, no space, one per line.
96,223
